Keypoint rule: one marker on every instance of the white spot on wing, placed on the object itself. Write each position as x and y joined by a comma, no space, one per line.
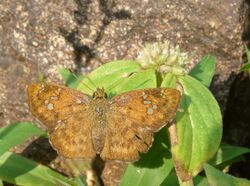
150,111
50,106
54,97
146,102
154,107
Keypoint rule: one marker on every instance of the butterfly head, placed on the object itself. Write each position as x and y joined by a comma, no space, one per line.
99,94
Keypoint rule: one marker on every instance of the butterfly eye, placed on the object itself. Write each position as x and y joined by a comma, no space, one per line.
100,94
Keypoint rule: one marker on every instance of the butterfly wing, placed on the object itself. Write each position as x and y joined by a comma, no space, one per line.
72,137
134,117
65,113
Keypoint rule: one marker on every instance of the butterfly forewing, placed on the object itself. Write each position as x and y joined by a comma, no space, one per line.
132,119
65,113
51,103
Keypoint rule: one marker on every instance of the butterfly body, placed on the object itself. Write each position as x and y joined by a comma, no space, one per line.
118,129
98,109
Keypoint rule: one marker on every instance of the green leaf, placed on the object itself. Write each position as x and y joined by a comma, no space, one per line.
169,81
109,76
218,178
80,181
172,180
71,80
204,70
245,67
41,77
248,54
17,133
153,167
18,170
226,153
115,77
200,181
138,80
199,128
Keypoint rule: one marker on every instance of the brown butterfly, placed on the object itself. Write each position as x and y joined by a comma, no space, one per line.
118,129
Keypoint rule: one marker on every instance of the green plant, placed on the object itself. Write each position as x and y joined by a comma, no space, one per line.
179,153
246,66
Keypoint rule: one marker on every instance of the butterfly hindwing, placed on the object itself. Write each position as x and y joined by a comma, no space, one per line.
72,137
123,142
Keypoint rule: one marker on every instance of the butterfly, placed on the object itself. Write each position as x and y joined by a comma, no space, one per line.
120,128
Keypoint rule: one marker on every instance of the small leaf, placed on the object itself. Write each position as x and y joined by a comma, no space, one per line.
226,153
169,81
218,178
172,180
199,128
18,170
248,54
245,67
41,77
153,167
204,70
17,133
71,80
200,181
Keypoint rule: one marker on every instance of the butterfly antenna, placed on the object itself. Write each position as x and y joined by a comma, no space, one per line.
78,79
91,81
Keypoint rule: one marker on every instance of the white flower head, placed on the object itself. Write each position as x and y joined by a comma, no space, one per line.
164,57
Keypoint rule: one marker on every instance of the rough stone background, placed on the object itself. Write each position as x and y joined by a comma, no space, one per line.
40,36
